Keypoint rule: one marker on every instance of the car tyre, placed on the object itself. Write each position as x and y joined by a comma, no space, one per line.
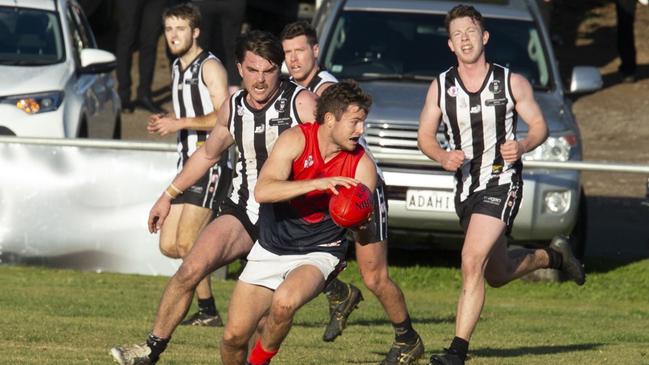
579,232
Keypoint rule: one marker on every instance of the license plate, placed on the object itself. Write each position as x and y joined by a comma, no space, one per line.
430,200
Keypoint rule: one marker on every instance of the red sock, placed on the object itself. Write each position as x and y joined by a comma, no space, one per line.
259,356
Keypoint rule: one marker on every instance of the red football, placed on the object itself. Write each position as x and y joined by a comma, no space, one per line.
352,206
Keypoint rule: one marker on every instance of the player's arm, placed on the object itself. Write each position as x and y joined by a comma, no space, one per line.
273,184
531,114
216,80
198,164
366,172
429,119
306,102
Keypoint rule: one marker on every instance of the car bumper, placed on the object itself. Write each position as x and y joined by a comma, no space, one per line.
48,125
534,222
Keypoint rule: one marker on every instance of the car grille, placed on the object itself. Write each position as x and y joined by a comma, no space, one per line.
387,138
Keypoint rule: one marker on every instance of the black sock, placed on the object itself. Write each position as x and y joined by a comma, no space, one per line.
555,258
336,290
157,346
207,306
403,332
460,347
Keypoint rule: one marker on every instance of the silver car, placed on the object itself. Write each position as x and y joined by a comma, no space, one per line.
395,49
55,82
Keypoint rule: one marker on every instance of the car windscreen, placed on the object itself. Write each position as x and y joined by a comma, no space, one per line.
380,45
29,37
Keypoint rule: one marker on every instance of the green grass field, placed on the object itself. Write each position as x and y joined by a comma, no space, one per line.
52,316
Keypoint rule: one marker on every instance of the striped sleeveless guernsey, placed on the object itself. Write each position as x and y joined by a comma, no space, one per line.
477,124
322,77
255,132
191,98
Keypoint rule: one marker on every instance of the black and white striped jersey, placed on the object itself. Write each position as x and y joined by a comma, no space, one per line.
477,124
322,77
255,132
191,98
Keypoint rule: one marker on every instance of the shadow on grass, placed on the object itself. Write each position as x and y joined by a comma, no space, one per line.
534,350
321,322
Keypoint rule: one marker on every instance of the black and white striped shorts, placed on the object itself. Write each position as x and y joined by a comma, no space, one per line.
378,229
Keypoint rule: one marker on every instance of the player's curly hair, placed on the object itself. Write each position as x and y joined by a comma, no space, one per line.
337,97
299,28
261,43
184,11
461,11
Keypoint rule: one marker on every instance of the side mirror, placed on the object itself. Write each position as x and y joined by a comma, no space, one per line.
585,79
94,61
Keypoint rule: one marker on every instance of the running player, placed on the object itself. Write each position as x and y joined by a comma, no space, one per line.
198,84
301,51
251,120
478,103
299,245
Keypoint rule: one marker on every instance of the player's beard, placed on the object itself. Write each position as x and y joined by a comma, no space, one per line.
179,52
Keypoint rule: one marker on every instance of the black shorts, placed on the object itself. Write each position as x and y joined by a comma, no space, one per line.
500,202
378,228
209,191
228,207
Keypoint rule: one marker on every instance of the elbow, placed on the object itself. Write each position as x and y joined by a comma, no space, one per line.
261,194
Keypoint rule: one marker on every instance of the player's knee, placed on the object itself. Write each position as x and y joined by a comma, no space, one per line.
283,309
169,249
374,280
233,339
184,247
189,274
472,264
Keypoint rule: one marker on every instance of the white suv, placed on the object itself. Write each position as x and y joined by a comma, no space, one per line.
55,83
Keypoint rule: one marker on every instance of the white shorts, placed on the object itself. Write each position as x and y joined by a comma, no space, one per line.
269,270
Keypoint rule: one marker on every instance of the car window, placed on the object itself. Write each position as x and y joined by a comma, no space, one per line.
366,44
30,37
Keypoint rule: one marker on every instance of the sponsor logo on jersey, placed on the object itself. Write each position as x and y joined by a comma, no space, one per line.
240,110
452,91
475,109
330,244
491,200
495,102
259,129
308,162
278,122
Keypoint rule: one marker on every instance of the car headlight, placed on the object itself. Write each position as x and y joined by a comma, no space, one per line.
35,103
557,148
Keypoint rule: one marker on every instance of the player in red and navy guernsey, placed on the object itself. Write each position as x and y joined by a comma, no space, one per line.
301,50
299,245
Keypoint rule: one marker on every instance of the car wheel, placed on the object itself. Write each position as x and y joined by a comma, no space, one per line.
117,132
578,234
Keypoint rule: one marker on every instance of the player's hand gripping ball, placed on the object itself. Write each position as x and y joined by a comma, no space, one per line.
352,206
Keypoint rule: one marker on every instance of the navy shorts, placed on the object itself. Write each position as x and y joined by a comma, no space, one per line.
500,202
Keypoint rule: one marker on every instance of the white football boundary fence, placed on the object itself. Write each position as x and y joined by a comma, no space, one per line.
83,204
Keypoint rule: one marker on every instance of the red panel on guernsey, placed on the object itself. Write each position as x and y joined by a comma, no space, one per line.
313,206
